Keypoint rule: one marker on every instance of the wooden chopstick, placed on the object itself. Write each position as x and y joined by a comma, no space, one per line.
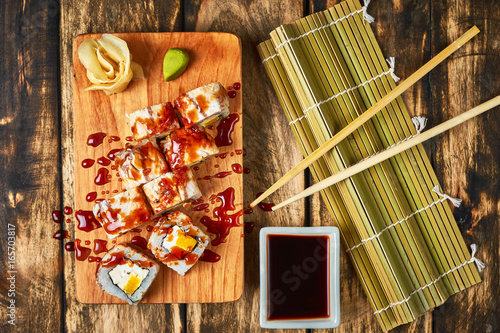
384,155
359,121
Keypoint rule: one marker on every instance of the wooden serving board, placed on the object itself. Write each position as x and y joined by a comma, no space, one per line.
213,57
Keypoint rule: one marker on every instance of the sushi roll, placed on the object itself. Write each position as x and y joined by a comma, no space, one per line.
154,121
126,273
177,242
123,212
188,146
162,193
204,105
140,163
186,184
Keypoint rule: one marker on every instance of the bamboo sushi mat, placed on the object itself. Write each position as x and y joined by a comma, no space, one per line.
397,226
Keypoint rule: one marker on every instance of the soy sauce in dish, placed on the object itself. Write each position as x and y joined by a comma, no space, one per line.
298,277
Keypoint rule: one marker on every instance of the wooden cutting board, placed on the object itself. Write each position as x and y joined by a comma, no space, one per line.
213,57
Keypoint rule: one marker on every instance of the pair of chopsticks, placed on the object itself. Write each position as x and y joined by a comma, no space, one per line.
356,123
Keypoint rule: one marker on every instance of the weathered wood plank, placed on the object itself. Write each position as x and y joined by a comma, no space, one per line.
270,145
29,132
79,17
466,158
410,46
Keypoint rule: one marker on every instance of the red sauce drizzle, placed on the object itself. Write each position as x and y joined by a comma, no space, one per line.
86,220
67,210
61,234
267,207
95,139
102,176
87,163
136,230
231,94
246,170
249,227
149,228
91,196
236,86
82,252
68,221
94,259
69,246
103,161
129,138
248,211
222,174
100,246
222,156
196,168
225,129
197,201
111,154
114,260
239,151
99,201
229,87
225,221
200,207
140,242
114,138
237,168
57,216
209,256
87,242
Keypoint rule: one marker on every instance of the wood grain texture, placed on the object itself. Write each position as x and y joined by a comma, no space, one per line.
466,160
29,157
79,17
271,147
214,57
467,156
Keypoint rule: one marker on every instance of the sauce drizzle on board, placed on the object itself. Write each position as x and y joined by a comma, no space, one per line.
81,252
305,261
87,163
209,256
102,176
140,242
100,246
86,220
222,226
91,196
225,129
95,139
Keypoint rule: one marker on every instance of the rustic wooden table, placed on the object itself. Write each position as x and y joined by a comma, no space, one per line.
37,151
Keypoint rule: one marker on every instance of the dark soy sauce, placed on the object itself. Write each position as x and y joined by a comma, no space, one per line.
298,277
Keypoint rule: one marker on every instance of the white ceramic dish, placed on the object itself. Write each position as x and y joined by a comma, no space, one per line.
334,290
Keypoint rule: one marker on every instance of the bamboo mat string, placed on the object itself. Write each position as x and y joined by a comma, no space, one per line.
419,122
480,266
367,17
390,72
456,202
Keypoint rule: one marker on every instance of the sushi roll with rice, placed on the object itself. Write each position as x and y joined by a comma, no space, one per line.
140,163
177,242
123,212
126,273
204,105
154,121
162,193
188,146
